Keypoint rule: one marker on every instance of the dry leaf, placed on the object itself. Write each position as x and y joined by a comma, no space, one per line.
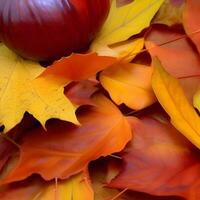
179,57
125,21
123,51
77,188
43,97
65,149
77,67
19,92
172,98
159,161
129,84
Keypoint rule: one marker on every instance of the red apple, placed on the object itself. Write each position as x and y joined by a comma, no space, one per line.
45,30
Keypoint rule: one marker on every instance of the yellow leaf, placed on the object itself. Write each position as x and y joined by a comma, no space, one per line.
77,188
19,92
123,51
172,98
196,100
130,84
125,21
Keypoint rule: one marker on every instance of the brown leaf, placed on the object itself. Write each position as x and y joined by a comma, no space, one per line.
159,161
80,92
65,149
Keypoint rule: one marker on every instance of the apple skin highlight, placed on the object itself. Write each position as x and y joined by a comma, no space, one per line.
45,30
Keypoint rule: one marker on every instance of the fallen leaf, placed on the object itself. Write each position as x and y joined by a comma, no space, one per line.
170,13
80,92
77,188
191,21
125,21
68,148
26,86
159,161
178,56
77,67
123,51
129,84
19,92
172,98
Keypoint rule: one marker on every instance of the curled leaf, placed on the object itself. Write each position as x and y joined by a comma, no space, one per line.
172,98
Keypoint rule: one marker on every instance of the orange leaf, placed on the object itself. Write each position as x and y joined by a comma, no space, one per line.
77,67
178,57
172,98
191,21
159,161
77,188
66,149
130,84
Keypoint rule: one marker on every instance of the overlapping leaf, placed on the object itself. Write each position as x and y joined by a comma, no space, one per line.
159,161
76,188
129,84
123,51
175,52
173,100
68,148
125,21
77,67
64,149
42,97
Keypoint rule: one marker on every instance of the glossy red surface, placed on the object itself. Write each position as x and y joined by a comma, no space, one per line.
48,29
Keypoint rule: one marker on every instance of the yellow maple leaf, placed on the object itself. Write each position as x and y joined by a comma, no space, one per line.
125,21
172,98
130,84
19,92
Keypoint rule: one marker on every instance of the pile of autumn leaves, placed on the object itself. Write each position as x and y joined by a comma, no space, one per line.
128,107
